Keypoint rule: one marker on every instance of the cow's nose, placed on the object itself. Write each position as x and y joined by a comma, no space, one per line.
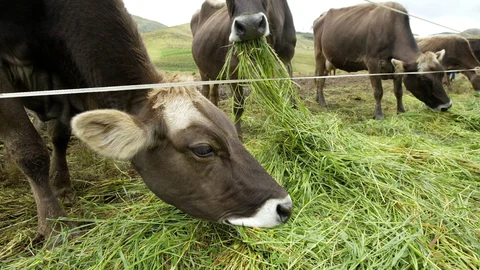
252,26
284,211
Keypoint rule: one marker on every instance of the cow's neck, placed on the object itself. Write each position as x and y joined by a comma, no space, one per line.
128,101
405,48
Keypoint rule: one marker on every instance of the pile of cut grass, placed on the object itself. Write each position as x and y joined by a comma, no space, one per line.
393,194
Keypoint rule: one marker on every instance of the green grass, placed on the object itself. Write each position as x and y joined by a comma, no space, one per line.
401,193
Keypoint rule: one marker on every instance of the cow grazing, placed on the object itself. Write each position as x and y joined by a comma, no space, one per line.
218,24
374,38
185,148
458,55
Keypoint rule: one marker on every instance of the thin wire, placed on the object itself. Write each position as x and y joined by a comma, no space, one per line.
192,83
413,16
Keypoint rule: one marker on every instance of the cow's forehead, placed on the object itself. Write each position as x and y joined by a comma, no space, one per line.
428,61
180,113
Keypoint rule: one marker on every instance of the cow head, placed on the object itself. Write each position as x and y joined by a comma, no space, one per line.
188,153
426,87
249,19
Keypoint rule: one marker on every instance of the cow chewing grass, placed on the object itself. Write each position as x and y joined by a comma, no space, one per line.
393,194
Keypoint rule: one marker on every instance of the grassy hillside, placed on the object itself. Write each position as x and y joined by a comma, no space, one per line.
170,50
304,60
145,26
471,32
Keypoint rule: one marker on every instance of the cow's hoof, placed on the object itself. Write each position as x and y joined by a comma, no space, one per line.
55,234
66,195
378,117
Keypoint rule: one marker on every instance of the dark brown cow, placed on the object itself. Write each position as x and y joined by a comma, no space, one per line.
373,38
185,148
218,24
458,55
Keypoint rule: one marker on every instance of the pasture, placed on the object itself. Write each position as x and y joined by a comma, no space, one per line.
402,193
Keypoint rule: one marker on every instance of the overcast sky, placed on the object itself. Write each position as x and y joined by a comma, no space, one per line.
459,15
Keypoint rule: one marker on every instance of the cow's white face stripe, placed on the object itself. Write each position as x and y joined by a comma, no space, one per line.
180,113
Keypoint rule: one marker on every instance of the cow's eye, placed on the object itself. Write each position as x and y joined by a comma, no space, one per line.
203,150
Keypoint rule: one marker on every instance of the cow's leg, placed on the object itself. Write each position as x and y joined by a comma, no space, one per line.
205,88
238,106
378,94
59,174
30,153
398,91
447,81
214,96
375,66
320,70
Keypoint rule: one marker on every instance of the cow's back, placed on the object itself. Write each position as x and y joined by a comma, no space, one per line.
204,13
210,38
458,53
349,37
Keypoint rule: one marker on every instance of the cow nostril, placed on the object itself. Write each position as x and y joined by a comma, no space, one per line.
262,26
284,210
239,29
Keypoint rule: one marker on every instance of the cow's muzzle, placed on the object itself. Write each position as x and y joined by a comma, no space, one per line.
443,107
272,213
248,27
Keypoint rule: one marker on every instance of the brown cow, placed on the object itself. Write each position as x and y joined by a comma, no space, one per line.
373,38
185,148
216,25
458,55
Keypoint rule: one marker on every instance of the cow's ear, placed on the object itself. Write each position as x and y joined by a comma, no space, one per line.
398,65
440,55
111,133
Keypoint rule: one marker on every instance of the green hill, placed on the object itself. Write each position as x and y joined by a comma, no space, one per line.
471,32
146,26
170,50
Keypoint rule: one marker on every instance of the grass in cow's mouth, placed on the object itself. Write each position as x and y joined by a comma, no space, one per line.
393,194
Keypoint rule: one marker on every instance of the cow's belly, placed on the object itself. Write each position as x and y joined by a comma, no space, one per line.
348,64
